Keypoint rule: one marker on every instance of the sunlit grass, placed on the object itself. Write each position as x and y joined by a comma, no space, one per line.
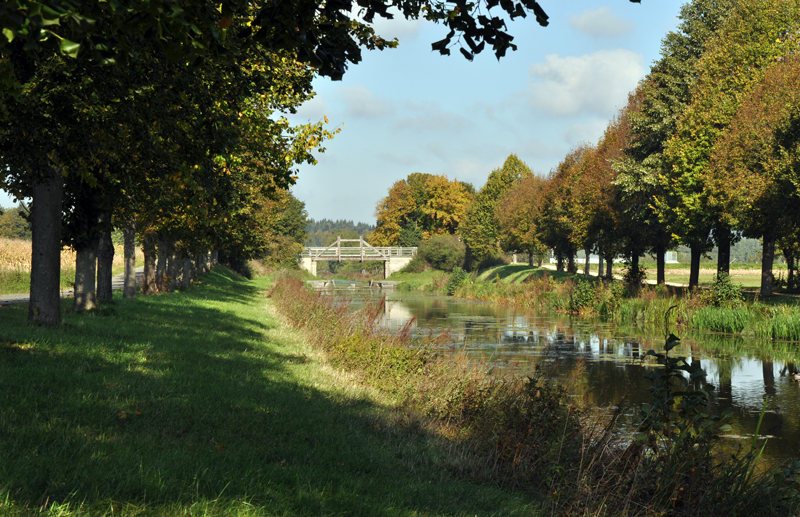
202,403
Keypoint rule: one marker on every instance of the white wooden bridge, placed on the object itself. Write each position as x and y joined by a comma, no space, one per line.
393,258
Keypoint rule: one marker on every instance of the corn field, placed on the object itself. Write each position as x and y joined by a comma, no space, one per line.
15,255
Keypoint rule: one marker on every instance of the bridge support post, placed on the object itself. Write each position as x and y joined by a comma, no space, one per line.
309,265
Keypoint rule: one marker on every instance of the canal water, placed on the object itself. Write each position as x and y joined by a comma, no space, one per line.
605,365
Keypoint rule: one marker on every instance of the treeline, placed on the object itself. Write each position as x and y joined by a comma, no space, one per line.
423,207
704,152
13,223
325,231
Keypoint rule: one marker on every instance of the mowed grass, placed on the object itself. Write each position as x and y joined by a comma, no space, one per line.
202,403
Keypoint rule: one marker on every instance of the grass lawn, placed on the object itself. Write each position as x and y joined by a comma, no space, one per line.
203,403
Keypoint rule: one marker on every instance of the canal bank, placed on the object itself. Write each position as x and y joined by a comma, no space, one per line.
598,474
203,402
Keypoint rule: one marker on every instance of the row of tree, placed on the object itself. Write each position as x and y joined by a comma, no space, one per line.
704,152
186,159
159,117
325,231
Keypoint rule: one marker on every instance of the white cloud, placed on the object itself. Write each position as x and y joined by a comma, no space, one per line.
596,83
538,149
600,23
313,110
589,131
437,149
360,102
398,27
430,117
400,159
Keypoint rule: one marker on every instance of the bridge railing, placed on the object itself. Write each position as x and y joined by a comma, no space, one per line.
353,253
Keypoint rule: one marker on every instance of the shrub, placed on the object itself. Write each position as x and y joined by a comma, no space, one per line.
457,278
444,252
724,293
634,280
416,265
582,296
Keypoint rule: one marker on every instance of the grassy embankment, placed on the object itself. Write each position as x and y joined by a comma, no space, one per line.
203,403
521,432
726,310
15,265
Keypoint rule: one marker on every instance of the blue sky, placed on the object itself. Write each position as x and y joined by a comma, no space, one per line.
410,109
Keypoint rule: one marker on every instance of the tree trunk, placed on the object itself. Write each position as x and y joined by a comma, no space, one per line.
723,238
173,268
789,256
600,264
694,267
767,258
530,257
129,233
163,258
586,263
571,264
214,258
45,302
634,273
661,277
85,273
105,261
187,272
610,268
559,261
149,285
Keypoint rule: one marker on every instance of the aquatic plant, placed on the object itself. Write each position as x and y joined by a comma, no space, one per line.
721,319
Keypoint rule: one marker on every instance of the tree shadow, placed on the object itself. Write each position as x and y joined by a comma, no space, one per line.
177,399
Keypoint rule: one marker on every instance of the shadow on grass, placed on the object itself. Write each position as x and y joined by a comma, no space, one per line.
519,273
163,402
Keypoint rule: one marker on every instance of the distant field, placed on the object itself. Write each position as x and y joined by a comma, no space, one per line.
749,275
15,265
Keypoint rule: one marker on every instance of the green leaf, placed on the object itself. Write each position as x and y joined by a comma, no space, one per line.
8,34
70,48
725,428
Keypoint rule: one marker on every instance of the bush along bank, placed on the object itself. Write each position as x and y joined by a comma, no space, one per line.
720,308
523,433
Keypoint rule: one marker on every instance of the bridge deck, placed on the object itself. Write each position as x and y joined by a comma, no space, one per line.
357,253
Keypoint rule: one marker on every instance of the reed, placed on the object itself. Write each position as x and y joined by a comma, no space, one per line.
505,431
524,433
722,319
782,324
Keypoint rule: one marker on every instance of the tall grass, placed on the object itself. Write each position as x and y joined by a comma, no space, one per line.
720,308
522,432
781,323
503,430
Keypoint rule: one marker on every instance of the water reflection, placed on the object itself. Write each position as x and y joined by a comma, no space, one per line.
606,365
